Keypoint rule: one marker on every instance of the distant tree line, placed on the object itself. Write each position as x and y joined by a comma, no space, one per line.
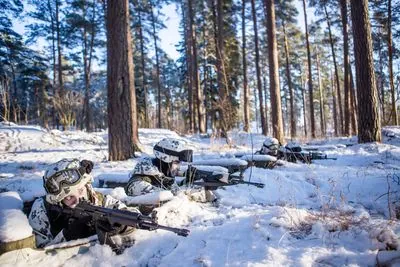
241,61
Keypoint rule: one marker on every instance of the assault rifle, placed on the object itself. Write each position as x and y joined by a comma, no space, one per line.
295,153
233,181
319,155
211,180
118,217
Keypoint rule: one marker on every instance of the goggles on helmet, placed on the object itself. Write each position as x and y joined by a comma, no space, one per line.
57,181
184,155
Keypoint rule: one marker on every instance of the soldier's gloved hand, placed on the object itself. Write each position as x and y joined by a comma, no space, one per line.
87,166
110,229
167,182
78,228
190,174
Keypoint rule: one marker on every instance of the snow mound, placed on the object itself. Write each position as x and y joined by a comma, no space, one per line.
250,157
221,162
14,225
10,200
153,198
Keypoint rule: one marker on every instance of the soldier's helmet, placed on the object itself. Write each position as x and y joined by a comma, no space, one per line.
65,177
270,146
173,150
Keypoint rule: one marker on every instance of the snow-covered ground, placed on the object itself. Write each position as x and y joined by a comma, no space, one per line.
331,212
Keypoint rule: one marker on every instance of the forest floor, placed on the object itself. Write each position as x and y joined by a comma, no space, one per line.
328,213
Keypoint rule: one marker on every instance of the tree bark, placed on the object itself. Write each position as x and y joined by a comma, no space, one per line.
53,49
264,124
291,91
354,106
246,92
189,76
303,93
381,81
275,91
60,78
334,101
198,93
143,74
369,129
122,117
321,100
346,63
395,120
222,86
339,94
310,79
153,22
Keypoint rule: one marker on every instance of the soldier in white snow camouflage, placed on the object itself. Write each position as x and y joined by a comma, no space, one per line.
154,174
68,182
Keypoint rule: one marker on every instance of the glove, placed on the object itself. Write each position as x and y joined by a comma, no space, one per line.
190,174
167,182
78,228
87,166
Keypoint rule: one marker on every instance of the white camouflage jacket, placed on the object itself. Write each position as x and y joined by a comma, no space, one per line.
39,220
146,177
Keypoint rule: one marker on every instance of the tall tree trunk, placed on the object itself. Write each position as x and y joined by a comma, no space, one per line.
222,86
87,60
346,63
153,22
122,117
143,74
266,112
15,106
60,78
206,78
198,93
264,124
53,49
85,72
381,80
246,91
291,91
303,93
354,105
395,119
43,104
339,94
321,100
275,91
310,79
334,101
369,129
189,76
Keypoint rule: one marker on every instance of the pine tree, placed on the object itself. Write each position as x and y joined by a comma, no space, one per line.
122,120
264,124
310,79
277,124
369,129
83,21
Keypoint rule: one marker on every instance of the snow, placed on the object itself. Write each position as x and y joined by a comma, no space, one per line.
249,157
14,225
221,162
10,200
330,212
147,199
